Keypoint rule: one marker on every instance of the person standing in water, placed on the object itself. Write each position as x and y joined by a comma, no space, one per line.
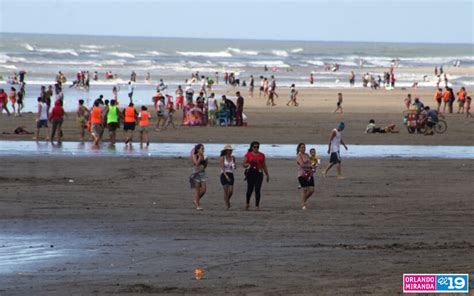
335,142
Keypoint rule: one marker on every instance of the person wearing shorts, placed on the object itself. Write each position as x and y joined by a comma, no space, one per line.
305,174
227,163
130,119
96,123
42,119
143,125
335,142
198,177
113,120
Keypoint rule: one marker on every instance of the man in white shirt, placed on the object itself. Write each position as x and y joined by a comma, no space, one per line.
131,88
335,142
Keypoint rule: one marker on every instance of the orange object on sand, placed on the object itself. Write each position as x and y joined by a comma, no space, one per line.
198,273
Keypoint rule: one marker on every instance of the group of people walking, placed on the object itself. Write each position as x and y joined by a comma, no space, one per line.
256,171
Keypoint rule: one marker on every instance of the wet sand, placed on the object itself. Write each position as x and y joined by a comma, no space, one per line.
126,226
311,122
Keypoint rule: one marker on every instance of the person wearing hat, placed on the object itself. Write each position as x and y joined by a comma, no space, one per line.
227,163
333,149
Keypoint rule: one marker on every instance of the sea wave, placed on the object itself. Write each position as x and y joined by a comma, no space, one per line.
297,50
242,52
315,62
280,53
269,64
154,53
216,54
121,54
28,47
58,51
92,46
11,67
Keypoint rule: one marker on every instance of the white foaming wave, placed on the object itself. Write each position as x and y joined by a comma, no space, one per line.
12,67
280,53
60,62
436,60
154,53
4,58
88,50
297,50
92,46
121,54
28,47
144,62
217,54
315,62
58,51
269,64
119,62
242,52
232,64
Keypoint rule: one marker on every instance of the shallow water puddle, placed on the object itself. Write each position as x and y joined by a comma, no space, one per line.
31,148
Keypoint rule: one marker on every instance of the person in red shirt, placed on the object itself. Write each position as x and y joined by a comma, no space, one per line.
3,101
56,117
255,166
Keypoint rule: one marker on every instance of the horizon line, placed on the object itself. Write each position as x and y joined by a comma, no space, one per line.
242,39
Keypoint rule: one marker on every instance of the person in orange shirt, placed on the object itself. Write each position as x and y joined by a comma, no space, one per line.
446,96
438,97
96,123
13,99
461,100
143,125
129,121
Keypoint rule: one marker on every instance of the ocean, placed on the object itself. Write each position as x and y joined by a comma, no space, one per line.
174,59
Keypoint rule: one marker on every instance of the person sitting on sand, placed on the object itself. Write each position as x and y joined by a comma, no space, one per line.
373,129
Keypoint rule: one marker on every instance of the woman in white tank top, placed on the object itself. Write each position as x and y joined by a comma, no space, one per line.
227,163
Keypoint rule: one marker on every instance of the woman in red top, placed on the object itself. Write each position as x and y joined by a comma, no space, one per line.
255,166
56,117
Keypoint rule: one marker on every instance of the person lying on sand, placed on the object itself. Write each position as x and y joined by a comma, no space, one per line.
372,128
20,130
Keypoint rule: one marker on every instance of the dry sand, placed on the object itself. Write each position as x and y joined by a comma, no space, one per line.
311,122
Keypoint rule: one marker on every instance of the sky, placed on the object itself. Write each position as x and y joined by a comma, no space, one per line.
420,21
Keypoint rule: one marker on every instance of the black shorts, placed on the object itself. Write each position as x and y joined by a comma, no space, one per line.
338,104
129,126
305,182
113,126
226,182
335,158
261,88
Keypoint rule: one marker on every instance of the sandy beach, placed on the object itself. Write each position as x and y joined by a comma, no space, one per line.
126,226
310,122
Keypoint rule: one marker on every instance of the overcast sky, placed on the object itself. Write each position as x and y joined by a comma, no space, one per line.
386,21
